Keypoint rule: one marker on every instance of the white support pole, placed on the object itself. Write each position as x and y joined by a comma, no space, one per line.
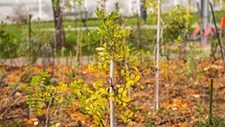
138,8
175,2
211,1
74,8
205,12
221,4
156,99
86,4
129,7
40,8
112,119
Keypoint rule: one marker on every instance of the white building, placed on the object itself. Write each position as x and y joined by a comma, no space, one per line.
14,8
43,8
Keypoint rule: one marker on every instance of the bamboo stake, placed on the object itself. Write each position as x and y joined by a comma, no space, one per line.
217,34
28,54
210,101
77,53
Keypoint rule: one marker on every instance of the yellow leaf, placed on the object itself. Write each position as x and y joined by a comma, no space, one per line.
122,72
95,85
131,123
123,118
100,49
142,87
90,67
100,53
130,114
127,73
99,82
135,68
124,104
105,66
80,81
137,78
132,76
120,90
100,66
129,83
89,90
112,98
124,93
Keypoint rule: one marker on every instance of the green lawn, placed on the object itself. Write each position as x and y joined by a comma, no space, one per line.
19,32
131,21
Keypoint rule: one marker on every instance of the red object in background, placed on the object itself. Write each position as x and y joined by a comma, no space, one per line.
206,33
208,30
222,23
197,31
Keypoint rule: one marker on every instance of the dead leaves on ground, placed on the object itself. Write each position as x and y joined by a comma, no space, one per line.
179,93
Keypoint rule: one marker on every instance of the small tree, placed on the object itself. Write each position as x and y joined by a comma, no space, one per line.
113,51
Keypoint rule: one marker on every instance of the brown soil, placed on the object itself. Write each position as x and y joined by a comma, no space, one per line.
183,96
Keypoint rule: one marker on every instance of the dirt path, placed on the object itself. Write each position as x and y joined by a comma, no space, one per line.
22,61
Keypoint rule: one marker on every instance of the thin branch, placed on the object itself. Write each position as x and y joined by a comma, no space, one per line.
47,113
9,107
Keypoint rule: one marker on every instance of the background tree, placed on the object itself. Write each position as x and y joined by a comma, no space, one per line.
58,22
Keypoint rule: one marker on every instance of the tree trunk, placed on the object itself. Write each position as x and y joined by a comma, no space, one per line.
204,18
156,100
58,22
